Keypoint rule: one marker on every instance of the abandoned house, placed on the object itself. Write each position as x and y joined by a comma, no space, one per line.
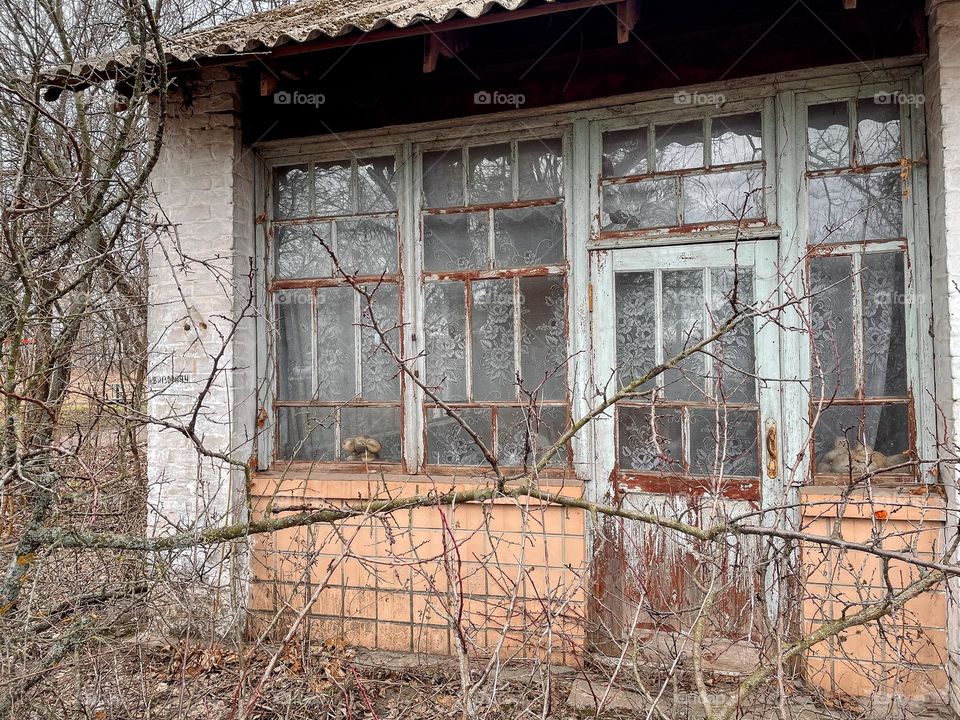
395,226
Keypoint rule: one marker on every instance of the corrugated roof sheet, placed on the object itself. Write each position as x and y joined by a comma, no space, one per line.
297,23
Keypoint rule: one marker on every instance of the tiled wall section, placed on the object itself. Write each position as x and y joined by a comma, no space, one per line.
384,583
905,653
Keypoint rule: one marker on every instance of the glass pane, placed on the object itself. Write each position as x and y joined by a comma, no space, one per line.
523,436
295,346
449,444
642,447
335,344
300,252
367,246
735,139
878,132
724,442
625,153
445,323
541,168
683,309
679,146
640,205
884,325
380,374
543,346
528,236
852,208
494,370
854,439
734,357
443,179
334,186
291,191
378,184
307,434
636,326
828,136
831,323
456,242
489,179
729,196
375,434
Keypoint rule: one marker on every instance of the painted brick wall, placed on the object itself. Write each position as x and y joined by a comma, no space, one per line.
198,281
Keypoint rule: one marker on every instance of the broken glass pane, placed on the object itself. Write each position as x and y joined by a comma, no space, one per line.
367,246
524,434
380,373
443,179
543,347
884,324
645,448
489,179
300,252
640,205
724,442
458,241
679,146
625,153
379,424
528,236
722,196
831,324
494,370
307,434
850,440
335,344
378,184
683,311
541,168
828,136
292,192
449,444
333,182
735,139
853,208
446,330
636,327
878,132
295,348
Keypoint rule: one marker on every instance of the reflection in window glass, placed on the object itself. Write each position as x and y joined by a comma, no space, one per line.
443,179
878,132
377,181
540,169
679,146
333,184
489,179
291,192
727,196
853,208
640,205
735,139
625,153
828,136
301,253
367,246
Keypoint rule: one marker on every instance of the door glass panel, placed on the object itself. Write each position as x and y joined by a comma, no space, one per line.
831,320
828,136
683,312
734,358
878,132
650,444
636,327
723,442
884,324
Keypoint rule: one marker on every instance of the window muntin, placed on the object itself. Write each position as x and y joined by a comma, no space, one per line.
336,380
494,278
695,172
861,401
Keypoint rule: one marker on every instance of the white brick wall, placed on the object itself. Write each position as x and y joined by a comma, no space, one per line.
199,282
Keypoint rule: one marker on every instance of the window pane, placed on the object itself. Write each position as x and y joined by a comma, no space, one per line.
307,434
528,236
379,371
541,169
543,349
449,444
831,321
878,132
443,179
490,175
382,425
852,208
636,326
729,196
300,253
378,184
724,441
884,325
735,139
625,153
334,186
295,346
292,191
445,321
456,242
857,439
640,205
335,344
828,136
642,447
734,363
683,309
679,146
494,370
367,246
523,436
